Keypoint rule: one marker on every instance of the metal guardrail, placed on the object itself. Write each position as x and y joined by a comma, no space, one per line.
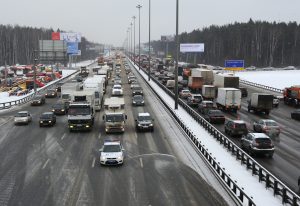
261,86
6,105
264,176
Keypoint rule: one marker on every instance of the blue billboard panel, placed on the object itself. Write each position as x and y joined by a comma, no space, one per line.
234,64
72,47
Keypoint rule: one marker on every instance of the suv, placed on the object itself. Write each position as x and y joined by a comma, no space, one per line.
194,99
214,116
51,93
112,153
137,90
117,90
236,128
257,143
144,122
205,105
23,117
47,119
268,126
185,93
138,100
59,108
38,100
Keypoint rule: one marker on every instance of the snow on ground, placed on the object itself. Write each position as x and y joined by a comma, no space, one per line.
4,96
278,79
83,63
244,178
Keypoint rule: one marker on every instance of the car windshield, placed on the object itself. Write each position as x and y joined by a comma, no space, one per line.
115,118
46,116
240,126
144,118
263,140
138,97
58,106
215,112
137,88
111,148
271,123
37,98
198,97
21,114
208,104
79,111
50,91
117,87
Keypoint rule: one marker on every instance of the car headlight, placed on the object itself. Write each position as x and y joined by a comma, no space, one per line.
151,125
50,121
142,102
133,102
41,121
71,126
16,120
119,158
139,125
53,110
102,158
87,126
62,110
39,102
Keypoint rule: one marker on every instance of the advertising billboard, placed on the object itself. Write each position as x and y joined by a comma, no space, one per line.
192,47
55,36
70,37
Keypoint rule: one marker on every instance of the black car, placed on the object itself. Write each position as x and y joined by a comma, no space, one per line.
38,100
47,119
59,108
137,90
236,128
144,122
51,93
296,114
214,116
244,91
58,87
258,143
138,100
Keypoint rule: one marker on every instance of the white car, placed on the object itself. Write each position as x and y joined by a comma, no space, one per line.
23,117
112,153
117,90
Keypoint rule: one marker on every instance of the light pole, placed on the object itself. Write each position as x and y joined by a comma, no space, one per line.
133,39
176,59
34,70
139,7
149,40
128,41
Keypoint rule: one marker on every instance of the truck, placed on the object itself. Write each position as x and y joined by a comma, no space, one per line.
226,81
208,92
291,95
170,84
260,102
84,72
195,83
97,85
114,114
229,99
66,90
207,74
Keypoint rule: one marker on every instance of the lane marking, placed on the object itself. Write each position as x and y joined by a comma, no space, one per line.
93,162
141,161
63,136
99,136
45,164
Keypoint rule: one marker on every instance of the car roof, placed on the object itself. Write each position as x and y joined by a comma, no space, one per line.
185,90
112,143
238,121
144,114
195,95
268,120
47,113
205,102
23,112
259,135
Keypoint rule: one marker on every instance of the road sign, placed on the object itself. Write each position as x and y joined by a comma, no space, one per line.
72,48
234,65
192,47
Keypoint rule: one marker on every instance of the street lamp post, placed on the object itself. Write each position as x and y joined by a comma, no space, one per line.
139,7
149,40
133,39
128,41
34,71
176,60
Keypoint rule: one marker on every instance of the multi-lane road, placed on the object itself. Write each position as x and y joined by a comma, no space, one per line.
51,166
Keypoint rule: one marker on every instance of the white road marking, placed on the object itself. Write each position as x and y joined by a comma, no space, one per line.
141,161
99,136
93,163
45,164
63,136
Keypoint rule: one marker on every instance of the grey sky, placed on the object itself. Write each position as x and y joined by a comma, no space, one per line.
106,21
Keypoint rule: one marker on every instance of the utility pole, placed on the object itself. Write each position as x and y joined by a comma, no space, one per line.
177,52
149,40
133,39
139,7
34,70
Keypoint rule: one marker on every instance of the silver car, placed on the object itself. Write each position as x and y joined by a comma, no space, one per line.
23,117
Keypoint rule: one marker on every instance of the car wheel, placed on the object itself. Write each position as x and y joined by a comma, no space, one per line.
270,155
152,130
41,125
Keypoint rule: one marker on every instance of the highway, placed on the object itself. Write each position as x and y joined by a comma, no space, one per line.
51,166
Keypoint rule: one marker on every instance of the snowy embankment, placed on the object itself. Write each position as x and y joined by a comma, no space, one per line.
277,79
243,177
4,96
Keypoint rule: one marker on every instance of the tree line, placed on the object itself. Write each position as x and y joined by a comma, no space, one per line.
17,44
259,43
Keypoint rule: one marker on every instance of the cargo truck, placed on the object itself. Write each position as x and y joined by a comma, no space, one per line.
114,114
291,95
208,92
97,85
260,102
226,81
229,99
66,90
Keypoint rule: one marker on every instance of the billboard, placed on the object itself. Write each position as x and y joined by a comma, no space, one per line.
192,47
70,37
167,38
72,48
234,65
55,36
52,50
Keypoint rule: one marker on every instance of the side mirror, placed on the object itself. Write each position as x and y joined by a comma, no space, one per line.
135,120
101,150
125,116
103,117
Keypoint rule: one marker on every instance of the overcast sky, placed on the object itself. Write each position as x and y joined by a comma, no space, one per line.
106,21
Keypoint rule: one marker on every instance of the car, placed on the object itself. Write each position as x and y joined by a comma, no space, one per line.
58,87
244,91
257,143
214,116
184,94
205,105
144,122
137,90
118,81
117,90
51,93
47,119
134,84
112,153
275,101
79,78
194,100
60,108
131,79
138,100
156,74
236,128
295,114
268,126
38,100
22,117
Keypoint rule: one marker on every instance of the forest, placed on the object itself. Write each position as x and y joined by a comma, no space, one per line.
259,43
17,44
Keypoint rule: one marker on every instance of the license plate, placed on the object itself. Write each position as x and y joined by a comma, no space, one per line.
79,125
